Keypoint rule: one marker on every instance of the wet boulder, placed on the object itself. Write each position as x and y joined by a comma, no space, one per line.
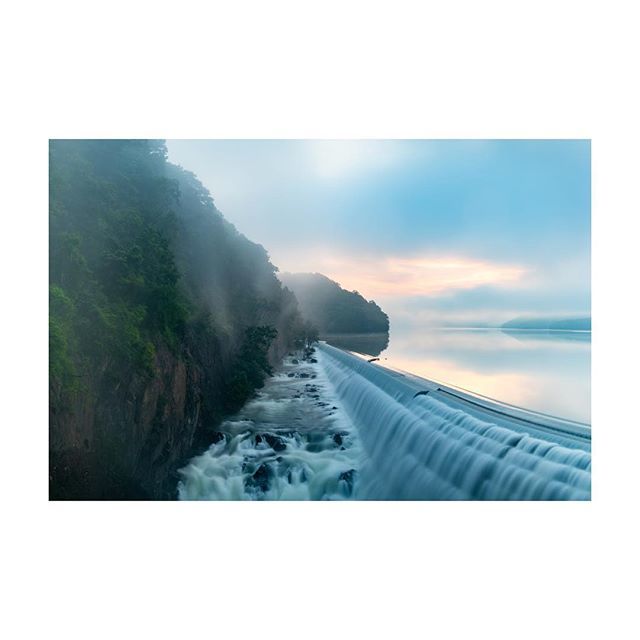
347,476
275,442
217,436
261,477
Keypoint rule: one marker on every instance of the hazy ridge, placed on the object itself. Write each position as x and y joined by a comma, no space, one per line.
333,309
550,324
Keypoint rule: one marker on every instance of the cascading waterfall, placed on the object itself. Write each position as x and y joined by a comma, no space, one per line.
336,427
417,446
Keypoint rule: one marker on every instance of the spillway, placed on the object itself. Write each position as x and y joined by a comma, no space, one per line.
424,441
339,427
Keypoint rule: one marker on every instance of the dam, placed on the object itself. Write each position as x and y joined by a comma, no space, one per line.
341,426
422,440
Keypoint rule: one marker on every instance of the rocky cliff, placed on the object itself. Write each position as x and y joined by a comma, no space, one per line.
163,319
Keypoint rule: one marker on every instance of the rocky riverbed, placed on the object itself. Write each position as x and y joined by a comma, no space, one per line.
292,441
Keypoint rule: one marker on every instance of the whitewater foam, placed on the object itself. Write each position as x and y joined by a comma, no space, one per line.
343,428
420,447
291,442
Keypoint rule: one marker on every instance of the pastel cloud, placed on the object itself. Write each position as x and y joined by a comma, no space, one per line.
416,276
433,230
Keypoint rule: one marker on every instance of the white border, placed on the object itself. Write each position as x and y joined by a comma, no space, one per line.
293,69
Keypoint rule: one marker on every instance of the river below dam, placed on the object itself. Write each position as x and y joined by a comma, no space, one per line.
292,441
337,427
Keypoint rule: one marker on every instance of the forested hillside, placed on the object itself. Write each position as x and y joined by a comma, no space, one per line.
163,318
333,309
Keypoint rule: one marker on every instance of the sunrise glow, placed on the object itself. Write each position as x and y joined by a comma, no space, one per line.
397,276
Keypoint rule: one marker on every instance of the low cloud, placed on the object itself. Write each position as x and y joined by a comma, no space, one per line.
402,277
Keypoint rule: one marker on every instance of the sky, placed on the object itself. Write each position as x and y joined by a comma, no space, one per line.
438,232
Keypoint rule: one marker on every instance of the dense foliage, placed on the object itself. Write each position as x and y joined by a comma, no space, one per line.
333,309
146,274
113,281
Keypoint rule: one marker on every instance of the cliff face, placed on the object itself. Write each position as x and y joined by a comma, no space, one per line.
163,319
124,439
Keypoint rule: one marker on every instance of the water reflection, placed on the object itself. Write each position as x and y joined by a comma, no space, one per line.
555,336
370,343
547,371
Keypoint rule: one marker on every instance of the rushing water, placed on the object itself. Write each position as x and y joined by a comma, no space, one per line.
339,427
545,371
419,444
291,442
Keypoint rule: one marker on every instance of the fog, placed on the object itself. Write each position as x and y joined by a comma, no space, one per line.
456,231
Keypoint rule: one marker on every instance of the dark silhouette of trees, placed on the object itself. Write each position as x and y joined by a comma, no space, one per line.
333,309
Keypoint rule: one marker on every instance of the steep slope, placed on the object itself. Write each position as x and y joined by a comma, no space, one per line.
163,318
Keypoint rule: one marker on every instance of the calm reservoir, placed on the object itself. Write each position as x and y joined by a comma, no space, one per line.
544,371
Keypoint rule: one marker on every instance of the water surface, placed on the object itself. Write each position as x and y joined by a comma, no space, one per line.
292,441
545,371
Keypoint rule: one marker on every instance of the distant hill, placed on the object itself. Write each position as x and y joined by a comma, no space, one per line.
550,324
333,309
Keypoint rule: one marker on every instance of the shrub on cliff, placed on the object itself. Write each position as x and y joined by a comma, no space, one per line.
143,265
251,365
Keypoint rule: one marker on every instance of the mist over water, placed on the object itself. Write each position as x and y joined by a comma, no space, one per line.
441,250
545,371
